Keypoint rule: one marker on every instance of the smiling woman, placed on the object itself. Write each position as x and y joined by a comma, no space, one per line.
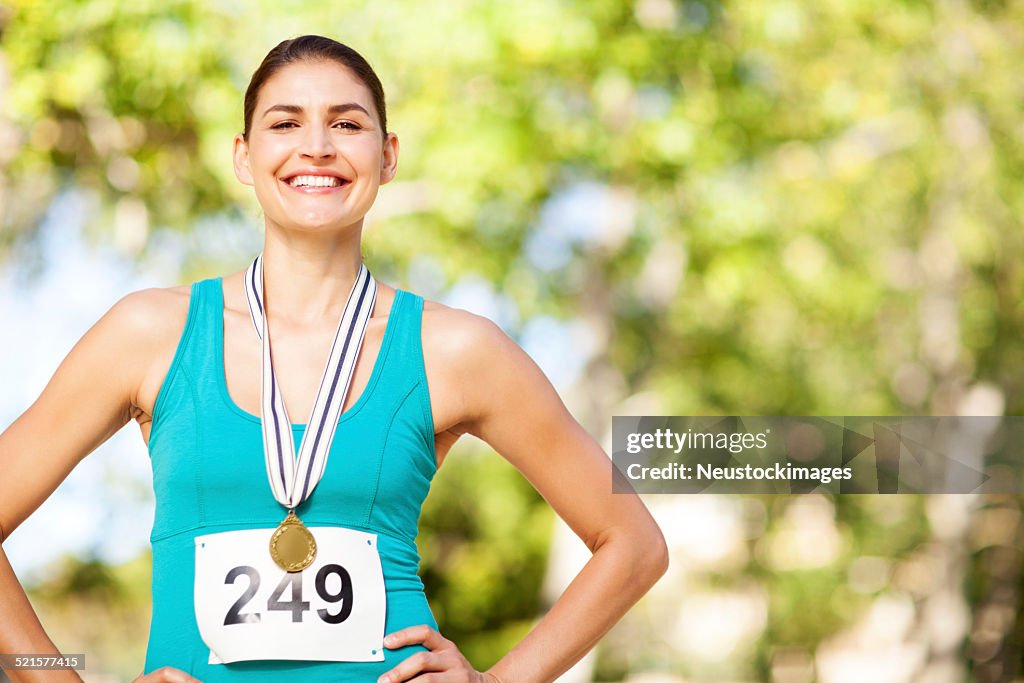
310,103
286,551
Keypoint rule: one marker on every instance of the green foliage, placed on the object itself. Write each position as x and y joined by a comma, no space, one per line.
101,610
121,96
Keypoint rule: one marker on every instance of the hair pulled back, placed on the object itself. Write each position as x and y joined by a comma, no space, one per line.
312,48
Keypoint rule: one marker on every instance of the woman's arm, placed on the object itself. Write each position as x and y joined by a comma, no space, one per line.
510,404
517,411
88,399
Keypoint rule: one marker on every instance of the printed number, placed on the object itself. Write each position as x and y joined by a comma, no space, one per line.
344,594
296,605
234,615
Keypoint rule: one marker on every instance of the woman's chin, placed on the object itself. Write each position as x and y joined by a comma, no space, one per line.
316,224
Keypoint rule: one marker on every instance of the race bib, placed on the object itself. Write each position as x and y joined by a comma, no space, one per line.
249,608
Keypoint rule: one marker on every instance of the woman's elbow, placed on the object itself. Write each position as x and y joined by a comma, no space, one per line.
656,557
649,557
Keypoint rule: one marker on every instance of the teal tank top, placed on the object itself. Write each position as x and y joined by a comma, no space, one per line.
209,476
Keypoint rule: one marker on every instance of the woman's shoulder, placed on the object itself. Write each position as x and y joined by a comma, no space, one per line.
475,368
464,338
149,323
151,312
145,323
457,325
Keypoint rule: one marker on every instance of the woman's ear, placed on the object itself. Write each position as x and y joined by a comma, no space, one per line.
241,161
389,160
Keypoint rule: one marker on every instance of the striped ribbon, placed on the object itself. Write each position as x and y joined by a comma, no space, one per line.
292,479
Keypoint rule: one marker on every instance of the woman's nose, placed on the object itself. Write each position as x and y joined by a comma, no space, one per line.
317,142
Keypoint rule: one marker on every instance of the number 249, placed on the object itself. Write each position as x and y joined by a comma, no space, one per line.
296,605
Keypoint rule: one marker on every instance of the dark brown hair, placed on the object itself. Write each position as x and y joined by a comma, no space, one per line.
314,48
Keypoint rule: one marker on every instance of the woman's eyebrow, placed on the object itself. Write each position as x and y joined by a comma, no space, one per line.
333,109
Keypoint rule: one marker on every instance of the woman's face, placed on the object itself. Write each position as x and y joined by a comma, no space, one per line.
316,154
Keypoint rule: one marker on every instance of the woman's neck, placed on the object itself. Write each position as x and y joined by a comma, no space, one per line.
307,277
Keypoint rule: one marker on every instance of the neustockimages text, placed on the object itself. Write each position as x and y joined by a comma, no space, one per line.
778,471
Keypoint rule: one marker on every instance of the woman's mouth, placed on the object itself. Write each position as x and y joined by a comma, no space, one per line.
316,184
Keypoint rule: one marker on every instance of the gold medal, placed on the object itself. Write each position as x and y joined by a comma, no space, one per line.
292,546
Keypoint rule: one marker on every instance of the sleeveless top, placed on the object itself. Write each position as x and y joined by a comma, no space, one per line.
209,476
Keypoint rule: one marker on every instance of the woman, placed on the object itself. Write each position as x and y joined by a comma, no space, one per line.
193,366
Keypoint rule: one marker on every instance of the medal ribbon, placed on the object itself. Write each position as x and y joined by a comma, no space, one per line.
292,479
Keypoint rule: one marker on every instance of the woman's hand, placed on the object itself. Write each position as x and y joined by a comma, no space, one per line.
443,664
167,674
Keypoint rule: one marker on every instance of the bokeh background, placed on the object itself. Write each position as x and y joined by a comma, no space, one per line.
677,207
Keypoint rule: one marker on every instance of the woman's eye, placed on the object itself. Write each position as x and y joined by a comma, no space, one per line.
349,125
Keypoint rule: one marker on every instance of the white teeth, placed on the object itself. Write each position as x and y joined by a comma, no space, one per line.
314,181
